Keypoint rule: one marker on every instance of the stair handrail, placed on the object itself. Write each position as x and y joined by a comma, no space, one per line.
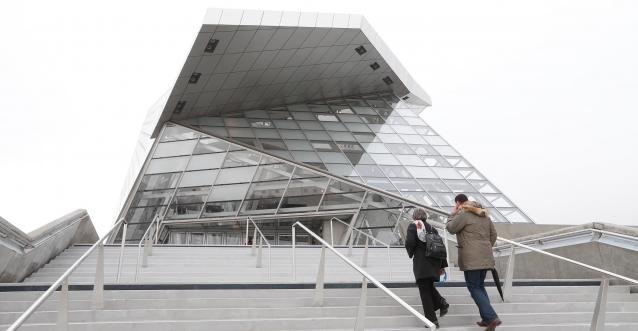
365,275
262,237
567,234
351,240
585,265
139,247
98,289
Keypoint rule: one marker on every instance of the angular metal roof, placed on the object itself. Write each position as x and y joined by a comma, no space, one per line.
245,59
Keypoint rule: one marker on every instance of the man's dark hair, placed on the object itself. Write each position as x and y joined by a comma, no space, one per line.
461,198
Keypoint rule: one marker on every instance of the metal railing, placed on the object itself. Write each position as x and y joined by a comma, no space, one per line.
258,250
319,287
147,239
364,262
598,319
98,287
566,235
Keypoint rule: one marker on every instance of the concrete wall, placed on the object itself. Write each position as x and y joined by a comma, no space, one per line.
21,254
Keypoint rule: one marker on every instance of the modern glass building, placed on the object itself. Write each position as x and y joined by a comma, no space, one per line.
285,117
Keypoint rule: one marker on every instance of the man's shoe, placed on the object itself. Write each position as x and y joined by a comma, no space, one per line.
444,308
481,324
493,324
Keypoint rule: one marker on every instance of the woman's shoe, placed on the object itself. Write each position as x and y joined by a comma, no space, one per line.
444,308
436,323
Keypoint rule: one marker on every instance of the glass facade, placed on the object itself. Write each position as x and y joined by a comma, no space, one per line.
370,158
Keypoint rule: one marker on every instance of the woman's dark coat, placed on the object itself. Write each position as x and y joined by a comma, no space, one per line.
422,266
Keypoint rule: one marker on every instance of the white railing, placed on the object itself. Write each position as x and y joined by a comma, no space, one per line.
258,249
319,287
98,286
147,239
364,262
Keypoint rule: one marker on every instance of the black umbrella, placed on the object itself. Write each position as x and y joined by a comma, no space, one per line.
497,281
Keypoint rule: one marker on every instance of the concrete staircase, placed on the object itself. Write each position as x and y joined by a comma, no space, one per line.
229,265
219,288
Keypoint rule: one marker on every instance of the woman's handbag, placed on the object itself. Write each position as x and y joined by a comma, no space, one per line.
434,245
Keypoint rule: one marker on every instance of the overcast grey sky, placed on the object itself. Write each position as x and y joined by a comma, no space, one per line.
539,95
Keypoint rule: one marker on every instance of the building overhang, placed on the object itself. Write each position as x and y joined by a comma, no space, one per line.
246,59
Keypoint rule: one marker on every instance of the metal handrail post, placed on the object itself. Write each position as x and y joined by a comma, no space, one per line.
332,236
509,276
321,273
119,263
142,255
63,313
364,263
359,324
259,255
59,281
254,244
598,319
378,284
246,241
98,286
294,259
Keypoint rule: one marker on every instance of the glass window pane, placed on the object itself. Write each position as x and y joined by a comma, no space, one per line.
334,126
410,160
341,169
270,172
241,133
389,138
206,161
399,149
342,136
273,145
381,183
198,178
384,159
484,186
306,156
236,122
241,158
324,146
332,157
266,133
380,128
292,134
447,173
326,118
357,127
359,158
210,145
434,185
446,150
424,150
405,185
435,140
317,135
375,148
235,175
460,186
172,164
366,137
395,171
310,125
228,192
303,116
175,148
285,124
151,198
155,182
176,132
298,145
421,172
375,201
369,170
412,139
349,118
